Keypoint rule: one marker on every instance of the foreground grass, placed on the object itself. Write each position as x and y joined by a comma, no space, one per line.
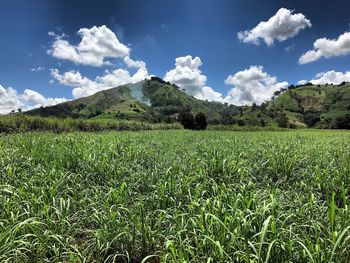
175,196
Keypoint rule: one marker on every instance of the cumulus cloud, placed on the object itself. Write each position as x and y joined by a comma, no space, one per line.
189,77
83,86
252,85
10,100
331,77
302,82
207,93
324,47
97,44
283,25
249,85
134,63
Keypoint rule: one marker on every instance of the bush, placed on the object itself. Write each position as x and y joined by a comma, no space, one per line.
311,118
200,121
282,120
342,122
187,120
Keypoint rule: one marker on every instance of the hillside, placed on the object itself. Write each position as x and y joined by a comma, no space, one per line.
316,106
154,100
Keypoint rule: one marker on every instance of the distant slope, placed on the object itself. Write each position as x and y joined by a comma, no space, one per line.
314,105
153,100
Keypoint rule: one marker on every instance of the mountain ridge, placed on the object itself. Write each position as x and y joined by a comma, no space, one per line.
155,100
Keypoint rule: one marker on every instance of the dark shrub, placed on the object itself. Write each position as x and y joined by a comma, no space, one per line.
342,122
241,122
311,118
187,121
200,121
282,120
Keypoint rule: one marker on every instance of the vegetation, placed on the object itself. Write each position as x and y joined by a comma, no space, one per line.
318,106
157,101
188,121
151,100
150,197
24,123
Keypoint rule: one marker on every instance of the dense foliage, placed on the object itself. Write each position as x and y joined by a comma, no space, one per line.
175,196
190,122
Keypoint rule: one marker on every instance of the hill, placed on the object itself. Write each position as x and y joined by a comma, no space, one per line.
319,106
151,100
154,100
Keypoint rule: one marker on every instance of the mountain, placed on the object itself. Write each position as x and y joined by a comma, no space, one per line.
318,106
311,105
152,100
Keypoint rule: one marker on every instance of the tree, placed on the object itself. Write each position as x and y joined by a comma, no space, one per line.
282,120
276,93
241,122
187,120
254,106
200,121
262,123
342,122
311,118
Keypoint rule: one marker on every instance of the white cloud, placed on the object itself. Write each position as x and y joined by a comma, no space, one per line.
327,48
134,63
188,76
37,69
334,77
97,44
83,86
283,25
10,100
33,99
207,93
302,82
252,85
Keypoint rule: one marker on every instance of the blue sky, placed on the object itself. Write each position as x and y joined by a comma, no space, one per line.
157,32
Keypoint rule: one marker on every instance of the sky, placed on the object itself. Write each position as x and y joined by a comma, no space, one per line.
239,52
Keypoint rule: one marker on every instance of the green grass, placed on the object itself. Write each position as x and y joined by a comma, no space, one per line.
175,196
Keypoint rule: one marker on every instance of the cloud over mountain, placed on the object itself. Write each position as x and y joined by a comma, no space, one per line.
83,86
334,77
252,85
188,76
10,100
283,25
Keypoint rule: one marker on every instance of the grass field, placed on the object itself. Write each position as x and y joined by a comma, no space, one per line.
175,196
